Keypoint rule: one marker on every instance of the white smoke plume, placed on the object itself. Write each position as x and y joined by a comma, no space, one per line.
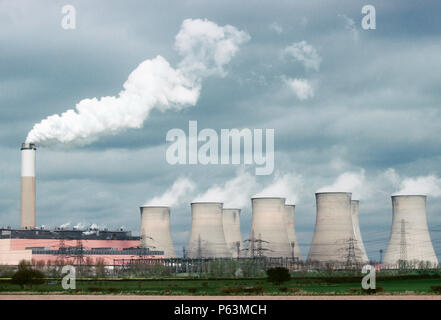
80,226
64,225
179,191
349,182
288,186
235,193
95,226
428,185
205,48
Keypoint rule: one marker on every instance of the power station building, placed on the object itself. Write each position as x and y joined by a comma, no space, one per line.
70,246
409,241
291,231
359,249
64,245
207,238
156,230
215,232
269,236
336,235
231,226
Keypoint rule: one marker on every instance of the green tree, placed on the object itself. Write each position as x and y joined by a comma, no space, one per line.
25,275
278,275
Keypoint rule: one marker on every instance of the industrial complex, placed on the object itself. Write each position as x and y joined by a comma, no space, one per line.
215,233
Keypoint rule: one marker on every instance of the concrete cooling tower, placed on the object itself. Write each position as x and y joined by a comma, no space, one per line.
155,230
333,229
268,235
360,250
27,210
231,226
290,230
409,239
207,239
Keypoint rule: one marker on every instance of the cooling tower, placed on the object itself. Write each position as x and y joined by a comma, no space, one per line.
207,239
27,210
268,229
155,230
333,229
291,231
231,225
360,251
409,239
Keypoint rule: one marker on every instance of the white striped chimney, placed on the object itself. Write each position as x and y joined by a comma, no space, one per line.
27,210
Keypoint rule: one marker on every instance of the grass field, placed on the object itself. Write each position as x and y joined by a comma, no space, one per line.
212,287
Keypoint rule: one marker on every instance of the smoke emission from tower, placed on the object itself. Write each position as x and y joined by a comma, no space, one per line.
290,229
231,225
205,47
156,231
207,238
333,228
27,210
409,240
268,228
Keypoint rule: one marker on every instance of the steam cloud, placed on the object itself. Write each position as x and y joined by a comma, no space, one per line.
235,193
428,185
284,186
349,182
179,191
205,48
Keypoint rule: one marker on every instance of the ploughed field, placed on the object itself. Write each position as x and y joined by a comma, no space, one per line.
298,285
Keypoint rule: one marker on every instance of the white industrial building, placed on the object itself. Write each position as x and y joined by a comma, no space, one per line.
231,226
156,231
360,251
291,231
269,236
409,240
207,239
333,228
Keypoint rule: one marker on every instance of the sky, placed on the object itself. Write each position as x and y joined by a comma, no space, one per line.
352,109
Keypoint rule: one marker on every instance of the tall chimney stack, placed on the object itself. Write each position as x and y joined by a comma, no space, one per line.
27,212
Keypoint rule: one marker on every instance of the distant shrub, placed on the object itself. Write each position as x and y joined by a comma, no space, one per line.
373,291
166,292
354,290
278,275
231,290
192,290
27,276
436,289
112,290
94,289
294,290
205,284
283,289
253,290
